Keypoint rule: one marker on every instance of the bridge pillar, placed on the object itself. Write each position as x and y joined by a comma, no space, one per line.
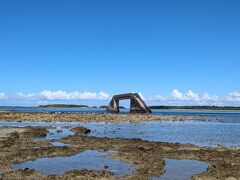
113,106
134,107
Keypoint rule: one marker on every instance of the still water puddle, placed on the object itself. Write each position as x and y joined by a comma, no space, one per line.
6,131
181,169
59,144
89,159
56,133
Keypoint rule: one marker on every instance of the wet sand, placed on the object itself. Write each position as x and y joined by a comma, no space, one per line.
87,117
148,157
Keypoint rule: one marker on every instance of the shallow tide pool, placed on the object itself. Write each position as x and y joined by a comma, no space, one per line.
89,159
181,169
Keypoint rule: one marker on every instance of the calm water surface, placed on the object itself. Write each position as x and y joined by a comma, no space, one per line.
195,132
181,169
89,159
199,133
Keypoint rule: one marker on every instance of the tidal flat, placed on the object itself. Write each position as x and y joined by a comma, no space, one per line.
78,146
91,117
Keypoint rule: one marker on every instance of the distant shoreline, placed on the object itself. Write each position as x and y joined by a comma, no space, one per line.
161,107
217,108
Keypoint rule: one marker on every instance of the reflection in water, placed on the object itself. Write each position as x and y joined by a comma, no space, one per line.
89,159
181,169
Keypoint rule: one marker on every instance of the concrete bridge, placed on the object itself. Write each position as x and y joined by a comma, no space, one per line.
137,105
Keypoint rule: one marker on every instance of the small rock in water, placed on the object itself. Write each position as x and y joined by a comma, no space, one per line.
106,167
81,130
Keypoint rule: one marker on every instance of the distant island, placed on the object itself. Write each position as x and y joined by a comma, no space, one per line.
197,107
64,106
103,107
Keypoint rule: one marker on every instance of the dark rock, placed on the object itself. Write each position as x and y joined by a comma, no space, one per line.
80,130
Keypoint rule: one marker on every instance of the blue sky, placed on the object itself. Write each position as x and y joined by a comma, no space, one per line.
69,48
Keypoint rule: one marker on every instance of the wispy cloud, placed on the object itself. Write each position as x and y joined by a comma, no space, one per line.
62,96
233,96
3,96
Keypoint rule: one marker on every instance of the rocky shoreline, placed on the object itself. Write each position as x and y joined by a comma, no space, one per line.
92,117
148,157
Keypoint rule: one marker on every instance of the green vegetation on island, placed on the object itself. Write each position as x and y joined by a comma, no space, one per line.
103,107
64,106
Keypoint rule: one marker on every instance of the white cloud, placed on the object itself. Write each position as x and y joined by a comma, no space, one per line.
28,96
177,94
103,96
3,96
233,96
63,96
192,96
207,97
176,97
